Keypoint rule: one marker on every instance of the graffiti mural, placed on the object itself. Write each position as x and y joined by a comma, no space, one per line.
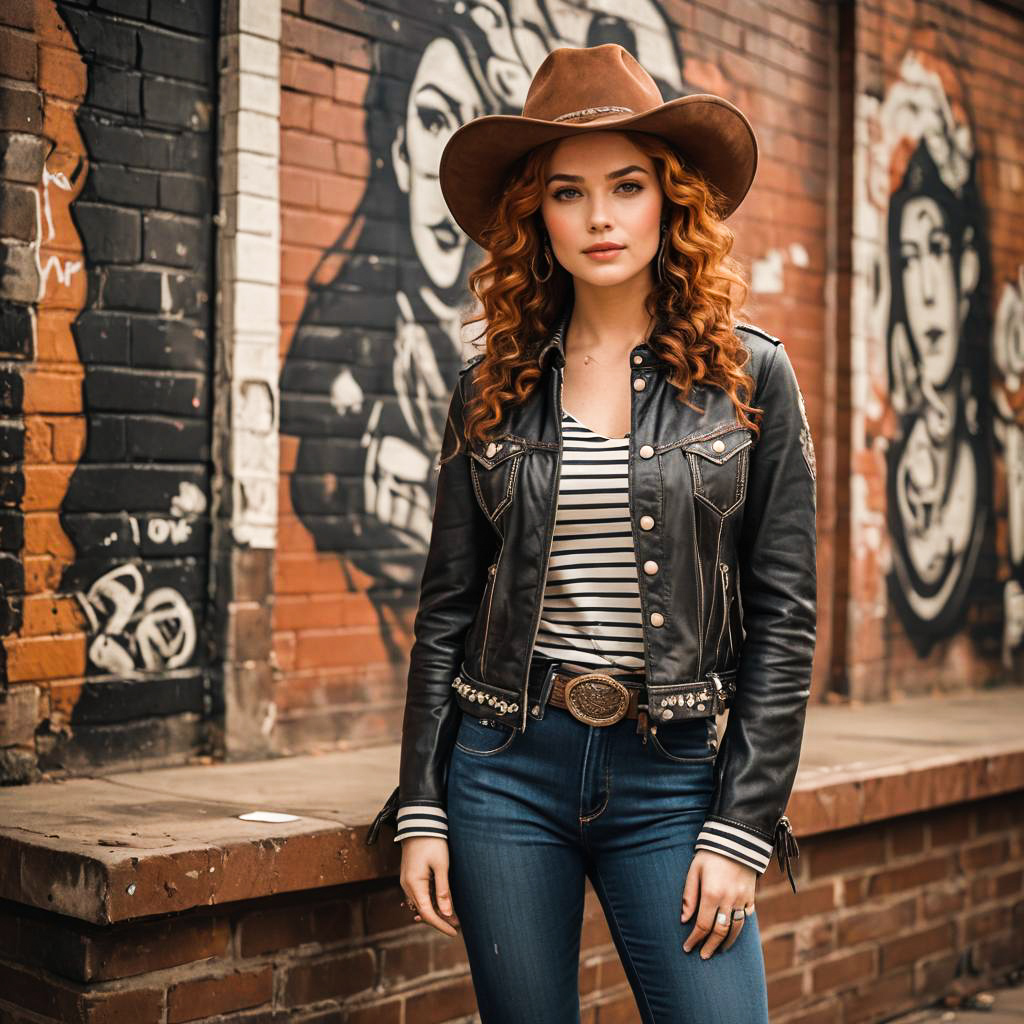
924,393
135,506
1008,398
367,378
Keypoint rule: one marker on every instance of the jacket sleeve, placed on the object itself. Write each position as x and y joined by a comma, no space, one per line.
462,544
760,750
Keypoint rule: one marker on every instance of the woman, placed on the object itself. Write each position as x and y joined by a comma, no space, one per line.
623,546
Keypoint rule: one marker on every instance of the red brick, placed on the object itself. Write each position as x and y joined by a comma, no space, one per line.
949,828
848,851
205,997
404,961
785,988
984,854
880,999
45,657
913,875
873,921
790,906
843,971
306,75
333,978
62,73
917,945
778,953
299,149
269,930
907,836
454,999
986,922
377,1013
19,55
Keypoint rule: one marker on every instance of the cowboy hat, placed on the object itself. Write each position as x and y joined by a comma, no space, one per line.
579,90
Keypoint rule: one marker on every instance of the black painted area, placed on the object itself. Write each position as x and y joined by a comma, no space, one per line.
137,507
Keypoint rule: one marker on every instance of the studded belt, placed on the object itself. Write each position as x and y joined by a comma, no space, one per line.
596,698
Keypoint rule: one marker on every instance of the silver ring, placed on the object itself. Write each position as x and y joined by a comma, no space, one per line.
721,918
739,913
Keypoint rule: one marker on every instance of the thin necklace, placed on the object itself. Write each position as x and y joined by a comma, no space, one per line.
587,360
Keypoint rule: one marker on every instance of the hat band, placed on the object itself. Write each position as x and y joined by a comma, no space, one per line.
590,112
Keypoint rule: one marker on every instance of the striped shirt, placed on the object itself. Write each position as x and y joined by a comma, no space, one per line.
591,619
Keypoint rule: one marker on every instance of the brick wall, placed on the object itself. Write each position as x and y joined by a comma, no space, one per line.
290,628
936,482
888,917
107,121
372,290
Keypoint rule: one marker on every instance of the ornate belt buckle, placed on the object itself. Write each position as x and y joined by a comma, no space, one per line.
596,698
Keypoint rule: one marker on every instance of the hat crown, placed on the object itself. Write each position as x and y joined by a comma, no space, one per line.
595,83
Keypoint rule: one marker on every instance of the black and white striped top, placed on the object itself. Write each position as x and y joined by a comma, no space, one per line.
591,618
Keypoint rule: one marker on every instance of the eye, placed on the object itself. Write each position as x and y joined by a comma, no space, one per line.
634,187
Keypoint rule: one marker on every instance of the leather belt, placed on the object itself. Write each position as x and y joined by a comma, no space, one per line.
596,698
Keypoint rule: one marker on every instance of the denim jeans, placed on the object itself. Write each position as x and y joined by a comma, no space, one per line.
532,815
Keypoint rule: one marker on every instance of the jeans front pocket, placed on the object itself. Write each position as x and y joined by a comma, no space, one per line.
687,742
483,738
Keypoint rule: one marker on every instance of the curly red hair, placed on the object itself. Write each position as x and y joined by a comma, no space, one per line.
693,306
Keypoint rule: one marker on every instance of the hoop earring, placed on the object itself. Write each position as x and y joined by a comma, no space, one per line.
661,252
551,264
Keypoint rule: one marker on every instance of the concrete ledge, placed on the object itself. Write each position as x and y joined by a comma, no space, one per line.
131,845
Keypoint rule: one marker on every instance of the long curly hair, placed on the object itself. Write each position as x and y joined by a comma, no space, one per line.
693,304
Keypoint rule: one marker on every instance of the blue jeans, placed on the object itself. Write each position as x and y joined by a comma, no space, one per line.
532,815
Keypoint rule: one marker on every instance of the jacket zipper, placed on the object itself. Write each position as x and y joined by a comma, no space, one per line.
723,569
492,570
551,541
700,583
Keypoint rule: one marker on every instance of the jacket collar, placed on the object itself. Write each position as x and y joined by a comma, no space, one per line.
554,348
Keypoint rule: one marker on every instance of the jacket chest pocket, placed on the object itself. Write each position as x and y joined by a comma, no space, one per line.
494,466
718,468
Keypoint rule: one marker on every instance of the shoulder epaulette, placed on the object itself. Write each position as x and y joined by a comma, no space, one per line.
762,332
476,359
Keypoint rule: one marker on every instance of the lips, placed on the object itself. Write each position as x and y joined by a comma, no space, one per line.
604,248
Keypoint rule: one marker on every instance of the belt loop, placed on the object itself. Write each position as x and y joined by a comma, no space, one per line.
643,725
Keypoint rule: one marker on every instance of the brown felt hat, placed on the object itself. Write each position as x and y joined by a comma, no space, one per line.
577,90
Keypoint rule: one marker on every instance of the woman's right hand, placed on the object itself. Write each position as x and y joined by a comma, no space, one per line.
425,860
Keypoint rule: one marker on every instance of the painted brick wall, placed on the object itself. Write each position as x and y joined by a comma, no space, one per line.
373,278
107,123
936,480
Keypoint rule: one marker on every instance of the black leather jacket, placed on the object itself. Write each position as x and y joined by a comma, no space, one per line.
729,610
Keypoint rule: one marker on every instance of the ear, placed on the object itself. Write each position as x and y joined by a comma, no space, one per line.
400,159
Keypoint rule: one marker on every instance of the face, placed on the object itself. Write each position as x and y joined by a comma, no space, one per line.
600,188
929,287
441,98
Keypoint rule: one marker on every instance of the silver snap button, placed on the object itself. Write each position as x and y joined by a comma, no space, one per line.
535,709
637,360
646,451
657,619
647,522
700,707
491,449
650,567
719,445
639,384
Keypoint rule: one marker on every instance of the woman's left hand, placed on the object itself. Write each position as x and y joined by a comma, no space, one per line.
724,885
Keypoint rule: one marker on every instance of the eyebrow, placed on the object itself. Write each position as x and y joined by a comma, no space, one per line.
631,169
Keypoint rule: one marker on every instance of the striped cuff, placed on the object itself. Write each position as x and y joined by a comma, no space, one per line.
421,820
729,839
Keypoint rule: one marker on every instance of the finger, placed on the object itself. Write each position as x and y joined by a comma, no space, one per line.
719,930
737,927
425,906
705,919
690,890
443,894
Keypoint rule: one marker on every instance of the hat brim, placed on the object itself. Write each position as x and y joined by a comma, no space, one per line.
709,132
